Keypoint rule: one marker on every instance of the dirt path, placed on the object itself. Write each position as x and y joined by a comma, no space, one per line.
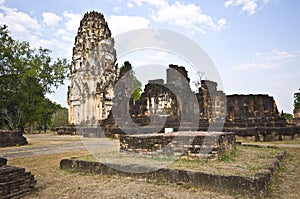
42,144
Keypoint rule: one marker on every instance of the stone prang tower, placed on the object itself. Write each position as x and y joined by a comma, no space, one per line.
92,73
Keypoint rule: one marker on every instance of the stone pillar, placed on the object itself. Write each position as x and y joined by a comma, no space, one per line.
71,114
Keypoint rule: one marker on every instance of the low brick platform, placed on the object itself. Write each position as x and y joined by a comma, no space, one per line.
15,182
266,133
192,143
253,186
12,138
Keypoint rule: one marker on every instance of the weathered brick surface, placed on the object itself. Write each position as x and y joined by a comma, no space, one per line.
12,138
246,115
261,133
15,182
189,142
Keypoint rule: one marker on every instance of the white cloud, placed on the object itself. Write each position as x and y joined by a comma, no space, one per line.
129,5
65,35
63,38
221,24
73,20
2,1
277,55
156,3
119,24
12,16
272,59
189,15
51,19
254,66
249,6
24,27
20,24
117,9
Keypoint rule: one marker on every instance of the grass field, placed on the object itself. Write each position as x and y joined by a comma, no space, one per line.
55,183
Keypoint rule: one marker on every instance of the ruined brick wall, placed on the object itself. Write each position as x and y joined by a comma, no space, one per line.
246,115
212,102
159,98
15,182
12,138
177,74
253,111
190,142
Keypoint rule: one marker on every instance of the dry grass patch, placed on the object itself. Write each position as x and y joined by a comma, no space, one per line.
286,183
49,139
53,182
243,161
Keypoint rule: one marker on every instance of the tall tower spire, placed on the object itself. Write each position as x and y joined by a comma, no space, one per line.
92,71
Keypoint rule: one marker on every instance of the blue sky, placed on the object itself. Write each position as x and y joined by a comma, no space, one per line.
255,44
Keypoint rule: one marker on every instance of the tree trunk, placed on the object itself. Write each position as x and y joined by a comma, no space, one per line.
45,128
22,129
31,127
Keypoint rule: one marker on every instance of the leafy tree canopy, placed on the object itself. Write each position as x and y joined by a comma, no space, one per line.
288,116
59,117
26,75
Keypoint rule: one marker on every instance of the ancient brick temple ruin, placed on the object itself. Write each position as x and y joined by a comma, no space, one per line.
98,95
92,72
247,115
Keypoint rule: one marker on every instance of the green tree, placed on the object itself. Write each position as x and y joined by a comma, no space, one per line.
288,116
297,100
45,112
59,117
26,75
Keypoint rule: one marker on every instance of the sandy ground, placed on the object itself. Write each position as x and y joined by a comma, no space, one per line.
55,183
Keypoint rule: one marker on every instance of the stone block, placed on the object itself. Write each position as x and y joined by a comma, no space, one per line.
3,161
12,138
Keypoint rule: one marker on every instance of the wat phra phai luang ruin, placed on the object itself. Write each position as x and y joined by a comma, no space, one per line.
100,100
93,72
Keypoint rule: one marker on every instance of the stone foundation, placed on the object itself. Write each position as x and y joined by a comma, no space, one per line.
65,130
266,133
90,132
253,186
15,182
191,143
12,138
